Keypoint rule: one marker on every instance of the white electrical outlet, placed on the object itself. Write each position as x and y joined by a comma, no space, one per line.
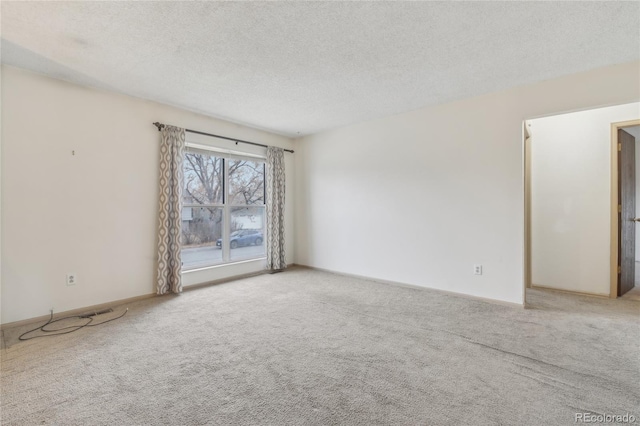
72,279
477,269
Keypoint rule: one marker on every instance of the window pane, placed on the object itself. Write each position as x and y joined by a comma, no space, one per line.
247,232
246,182
202,179
201,234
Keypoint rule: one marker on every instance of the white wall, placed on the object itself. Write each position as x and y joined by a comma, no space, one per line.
421,197
1,195
571,198
93,213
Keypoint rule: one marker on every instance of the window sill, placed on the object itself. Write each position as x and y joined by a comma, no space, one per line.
222,265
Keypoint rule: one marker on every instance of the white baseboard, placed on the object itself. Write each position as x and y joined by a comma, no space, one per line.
413,286
561,290
77,311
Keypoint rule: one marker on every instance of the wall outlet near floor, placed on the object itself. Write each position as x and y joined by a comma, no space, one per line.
477,269
72,279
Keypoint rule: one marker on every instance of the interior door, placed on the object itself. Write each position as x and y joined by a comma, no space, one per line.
627,211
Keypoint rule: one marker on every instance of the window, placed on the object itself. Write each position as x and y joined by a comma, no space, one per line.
223,213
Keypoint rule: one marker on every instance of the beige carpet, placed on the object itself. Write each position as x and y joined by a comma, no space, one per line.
311,348
633,294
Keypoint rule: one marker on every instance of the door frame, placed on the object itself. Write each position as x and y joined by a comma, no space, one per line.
526,135
613,285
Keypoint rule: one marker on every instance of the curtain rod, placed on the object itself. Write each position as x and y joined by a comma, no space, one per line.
160,126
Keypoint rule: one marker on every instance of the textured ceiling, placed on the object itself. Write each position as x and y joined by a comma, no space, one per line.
301,67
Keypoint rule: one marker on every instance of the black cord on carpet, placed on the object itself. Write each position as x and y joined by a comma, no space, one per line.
72,328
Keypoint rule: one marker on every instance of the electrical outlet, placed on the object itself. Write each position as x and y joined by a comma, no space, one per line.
72,279
477,269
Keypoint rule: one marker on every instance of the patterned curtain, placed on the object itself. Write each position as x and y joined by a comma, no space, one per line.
275,209
170,210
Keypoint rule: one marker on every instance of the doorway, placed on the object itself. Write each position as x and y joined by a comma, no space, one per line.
571,201
624,215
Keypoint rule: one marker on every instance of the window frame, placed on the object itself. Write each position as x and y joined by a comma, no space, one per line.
226,156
